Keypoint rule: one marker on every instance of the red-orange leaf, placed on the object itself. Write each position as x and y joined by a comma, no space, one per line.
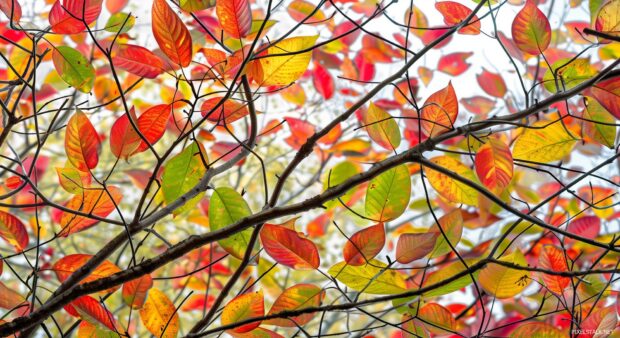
531,30
364,245
244,307
98,202
552,258
492,83
440,111
67,265
89,309
66,15
607,93
235,17
171,34
411,247
323,81
226,113
13,231
587,227
454,13
138,60
296,297
152,124
288,248
455,63
135,291
11,9
494,165
82,142
124,139
437,319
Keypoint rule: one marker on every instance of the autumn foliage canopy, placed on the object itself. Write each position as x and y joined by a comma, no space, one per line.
309,168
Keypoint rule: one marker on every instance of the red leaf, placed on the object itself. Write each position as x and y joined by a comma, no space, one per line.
531,30
300,132
226,113
454,64
607,93
587,227
124,140
440,111
288,248
478,104
82,142
454,13
552,258
411,247
323,81
364,245
138,61
89,309
11,7
235,17
492,83
13,231
135,291
365,69
171,34
66,17
433,34
152,124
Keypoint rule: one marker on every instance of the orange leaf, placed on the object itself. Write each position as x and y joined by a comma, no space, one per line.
531,30
138,61
13,231
89,309
124,140
296,297
494,165
171,34
82,142
552,258
437,319
454,13
11,9
537,329
492,83
66,15
152,124
235,17
440,111
364,245
411,247
226,113
244,307
11,300
98,202
455,63
288,248
135,291
67,265
159,315
607,93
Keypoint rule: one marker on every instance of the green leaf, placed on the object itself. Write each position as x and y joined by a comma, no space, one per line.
387,195
602,129
225,208
195,5
569,73
373,278
337,175
381,127
120,23
74,68
181,174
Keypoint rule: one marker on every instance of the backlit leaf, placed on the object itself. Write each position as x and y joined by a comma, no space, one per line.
502,281
135,291
182,173
537,330
66,15
544,142
364,245
138,60
120,23
494,165
448,187
296,297
531,30
492,83
235,17
82,142
171,34
437,319
372,278
454,13
285,69
454,64
98,202
88,330
446,272
74,68
67,265
568,73
598,124
411,247
244,307
226,113
124,139
288,248
159,315
73,180
388,194
552,258
452,226
195,5
225,208
12,9
381,127
608,19
91,310
607,93
13,230
440,111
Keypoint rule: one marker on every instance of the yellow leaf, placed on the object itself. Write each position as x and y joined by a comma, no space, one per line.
449,188
373,278
280,70
502,281
159,316
544,142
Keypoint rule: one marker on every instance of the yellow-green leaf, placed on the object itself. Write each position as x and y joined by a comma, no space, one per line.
381,127
225,208
182,173
448,187
387,195
568,73
544,142
502,281
74,68
373,278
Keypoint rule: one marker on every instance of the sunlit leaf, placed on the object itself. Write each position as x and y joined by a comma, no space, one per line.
98,202
364,245
285,69
91,310
171,34
13,230
73,180
492,83
244,307
138,60
381,127
195,5
235,17
374,277
544,142
448,187
67,265
288,248
454,64
388,194
454,13
159,315
494,165
446,272
598,124
502,281
12,9
608,19
182,173
411,247
568,73
607,93
82,142
537,330
135,291
74,68
440,111
124,138
437,319
120,23
66,15
297,297
531,30
228,112
88,330
553,259
225,208
452,226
